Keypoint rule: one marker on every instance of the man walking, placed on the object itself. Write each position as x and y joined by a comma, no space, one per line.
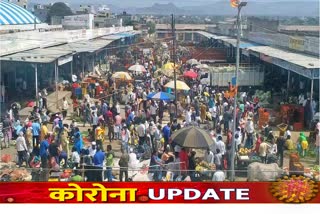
123,164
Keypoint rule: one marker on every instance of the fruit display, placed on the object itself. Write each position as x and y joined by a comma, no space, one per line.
244,151
203,165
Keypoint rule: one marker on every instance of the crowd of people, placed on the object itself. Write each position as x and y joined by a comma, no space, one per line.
144,135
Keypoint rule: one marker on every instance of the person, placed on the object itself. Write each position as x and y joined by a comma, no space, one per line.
208,156
289,143
218,175
44,155
98,159
22,149
302,144
44,131
263,152
317,144
280,147
192,165
65,107
75,157
123,164
125,138
220,145
77,176
109,162
166,131
273,148
249,128
133,161
218,159
258,142
93,149
155,166
35,133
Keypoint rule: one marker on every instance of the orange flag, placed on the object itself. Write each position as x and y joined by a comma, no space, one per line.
234,3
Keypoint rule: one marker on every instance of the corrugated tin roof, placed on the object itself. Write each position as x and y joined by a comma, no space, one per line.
302,60
40,55
88,46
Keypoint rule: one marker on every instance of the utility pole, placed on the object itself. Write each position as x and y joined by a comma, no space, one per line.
233,147
174,61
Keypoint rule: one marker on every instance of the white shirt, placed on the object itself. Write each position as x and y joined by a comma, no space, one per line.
249,127
273,149
141,130
153,109
21,144
209,158
65,105
188,116
75,158
221,146
218,176
133,161
92,152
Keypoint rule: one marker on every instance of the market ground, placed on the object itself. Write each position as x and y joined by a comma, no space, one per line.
308,162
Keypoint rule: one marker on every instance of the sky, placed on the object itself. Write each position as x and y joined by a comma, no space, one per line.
146,3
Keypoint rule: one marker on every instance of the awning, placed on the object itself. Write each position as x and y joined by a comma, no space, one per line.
302,60
40,55
242,45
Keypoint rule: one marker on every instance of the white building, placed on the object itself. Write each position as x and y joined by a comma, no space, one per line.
84,21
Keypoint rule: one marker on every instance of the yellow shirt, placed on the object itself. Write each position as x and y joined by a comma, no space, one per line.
43,132
289,144
304,145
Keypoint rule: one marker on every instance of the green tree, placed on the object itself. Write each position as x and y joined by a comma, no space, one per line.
59,9
151,27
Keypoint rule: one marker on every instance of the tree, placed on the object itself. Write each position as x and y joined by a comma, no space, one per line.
151,27
58,9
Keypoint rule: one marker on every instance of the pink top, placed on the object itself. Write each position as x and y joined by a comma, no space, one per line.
118,120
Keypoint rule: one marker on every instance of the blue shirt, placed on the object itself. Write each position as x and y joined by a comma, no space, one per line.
35,129
98,158
44,145
78,142
166,132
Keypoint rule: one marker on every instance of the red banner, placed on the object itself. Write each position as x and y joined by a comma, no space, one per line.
156,192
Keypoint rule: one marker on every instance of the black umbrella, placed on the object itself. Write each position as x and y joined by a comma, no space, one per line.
192,137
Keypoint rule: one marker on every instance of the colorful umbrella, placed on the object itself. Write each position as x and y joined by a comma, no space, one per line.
190,74
121,75
137,68
160,96
180,85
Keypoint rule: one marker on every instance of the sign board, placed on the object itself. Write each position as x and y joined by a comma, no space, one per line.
296,43
65,59
78,21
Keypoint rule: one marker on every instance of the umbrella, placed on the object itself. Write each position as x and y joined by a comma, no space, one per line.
190,74
180,85
137,68
160,96
168,66
193,62
168,73
192,137
121,75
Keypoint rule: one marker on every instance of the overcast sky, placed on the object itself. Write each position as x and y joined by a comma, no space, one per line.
145,3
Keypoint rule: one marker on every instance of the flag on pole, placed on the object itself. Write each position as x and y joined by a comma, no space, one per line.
234,3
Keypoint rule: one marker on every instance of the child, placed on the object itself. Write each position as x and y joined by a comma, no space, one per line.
289,143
